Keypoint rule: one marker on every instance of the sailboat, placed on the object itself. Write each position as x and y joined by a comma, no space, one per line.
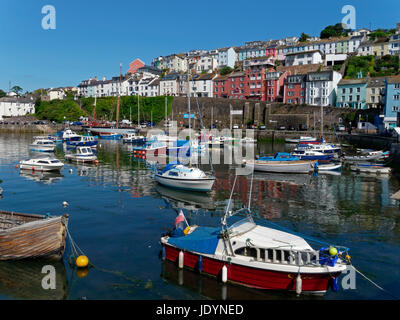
109,132
177,175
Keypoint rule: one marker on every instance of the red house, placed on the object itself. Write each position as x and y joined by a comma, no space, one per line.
295,89
238,85
274,89
221,87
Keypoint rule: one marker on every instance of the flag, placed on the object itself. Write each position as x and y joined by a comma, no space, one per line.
180,218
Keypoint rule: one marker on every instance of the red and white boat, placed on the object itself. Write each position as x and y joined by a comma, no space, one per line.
151,149
256,256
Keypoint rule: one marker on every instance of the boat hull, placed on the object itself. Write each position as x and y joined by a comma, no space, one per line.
75,158
42,148
37,237
250,276
202,185
282,166
35,167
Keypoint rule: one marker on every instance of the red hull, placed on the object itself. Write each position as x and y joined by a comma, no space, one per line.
253,277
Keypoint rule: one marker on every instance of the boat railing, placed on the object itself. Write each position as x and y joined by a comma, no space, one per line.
283,256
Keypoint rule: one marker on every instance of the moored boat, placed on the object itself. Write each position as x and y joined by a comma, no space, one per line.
329,167
151,148
41,164
133,138
312,155
82,154
42,145
87,141
281,162
255,256
32,235
178,176
304,139
376,168
69,135
110,136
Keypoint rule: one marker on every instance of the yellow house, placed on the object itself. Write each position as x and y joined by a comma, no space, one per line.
380,47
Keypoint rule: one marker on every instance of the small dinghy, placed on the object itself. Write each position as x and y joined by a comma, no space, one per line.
83,154
377,168
329,167
31,235
301,139
42,145
42,164
367,157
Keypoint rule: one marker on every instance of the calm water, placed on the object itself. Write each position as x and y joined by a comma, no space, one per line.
117,214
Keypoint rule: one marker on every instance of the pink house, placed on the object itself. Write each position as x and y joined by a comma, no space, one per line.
135,65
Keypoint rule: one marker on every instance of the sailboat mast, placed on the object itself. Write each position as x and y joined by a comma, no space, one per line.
188,95
94,108
322,121
119,92
138,111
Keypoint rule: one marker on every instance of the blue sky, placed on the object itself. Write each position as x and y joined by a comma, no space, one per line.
92,37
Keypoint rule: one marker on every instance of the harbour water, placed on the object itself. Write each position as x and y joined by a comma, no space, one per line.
118,213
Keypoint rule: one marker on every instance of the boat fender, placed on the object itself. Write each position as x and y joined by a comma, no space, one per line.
335,284
65,203
224,277
180,260
70,170
16,166
299,284
82,261
163,253
200,264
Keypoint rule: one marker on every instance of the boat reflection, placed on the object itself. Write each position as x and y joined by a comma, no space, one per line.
41,177
210,288
23,280
186,200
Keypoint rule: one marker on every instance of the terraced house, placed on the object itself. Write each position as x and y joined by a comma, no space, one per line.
392,101
375,92
352,93
321,88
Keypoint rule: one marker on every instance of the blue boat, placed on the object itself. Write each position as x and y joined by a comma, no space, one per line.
312,155
280,156
180,148
85,141
110,136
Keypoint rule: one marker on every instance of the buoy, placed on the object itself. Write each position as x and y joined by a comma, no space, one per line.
180,259
16,166
332,251
163,253
224,277
82,261
65,203
82,272
298,284
347,257
70,170
335,284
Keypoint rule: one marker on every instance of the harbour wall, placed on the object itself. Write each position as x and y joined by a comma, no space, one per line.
271,115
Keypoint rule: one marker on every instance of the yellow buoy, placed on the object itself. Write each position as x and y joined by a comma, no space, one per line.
332,251
347,257
82,261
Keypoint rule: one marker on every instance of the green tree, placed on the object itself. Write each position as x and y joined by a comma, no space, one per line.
336,30
225,70
303,37
16,89
2,93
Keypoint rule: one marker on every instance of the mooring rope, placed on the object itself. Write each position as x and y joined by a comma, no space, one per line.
376,285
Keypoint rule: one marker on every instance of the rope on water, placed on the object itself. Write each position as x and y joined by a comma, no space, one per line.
376,285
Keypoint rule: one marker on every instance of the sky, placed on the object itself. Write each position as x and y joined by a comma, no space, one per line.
92,38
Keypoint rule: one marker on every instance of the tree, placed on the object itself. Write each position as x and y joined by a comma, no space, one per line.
2,93
225,70
303,37
336,30
16,89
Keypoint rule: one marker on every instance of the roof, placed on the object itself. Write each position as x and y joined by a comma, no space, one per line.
344,82
304,52
376,82
237,74
393,79
220,78
301,69
17,99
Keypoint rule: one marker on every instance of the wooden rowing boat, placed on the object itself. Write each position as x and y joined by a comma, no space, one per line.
31,236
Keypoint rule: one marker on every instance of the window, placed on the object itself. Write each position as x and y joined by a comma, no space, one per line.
395,109
396,97
290,86
397,86
358,89
351,90
290,93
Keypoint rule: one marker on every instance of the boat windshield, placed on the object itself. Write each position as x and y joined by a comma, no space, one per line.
242,226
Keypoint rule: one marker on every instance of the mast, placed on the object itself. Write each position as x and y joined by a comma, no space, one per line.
165,109
188,96
119,91
94,109
138,111
322,121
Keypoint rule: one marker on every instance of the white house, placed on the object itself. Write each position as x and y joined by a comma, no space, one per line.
169,85
321,88
56,94
227,57
301,58
14,107
201,85
206,63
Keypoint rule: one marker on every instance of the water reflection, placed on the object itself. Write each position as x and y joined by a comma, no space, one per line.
23,280
42,177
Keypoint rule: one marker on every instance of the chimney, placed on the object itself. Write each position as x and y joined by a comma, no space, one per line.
104,78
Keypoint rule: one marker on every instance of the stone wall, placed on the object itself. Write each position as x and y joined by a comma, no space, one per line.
271,115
